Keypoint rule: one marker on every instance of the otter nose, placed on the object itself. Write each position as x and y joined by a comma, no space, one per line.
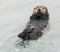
39,10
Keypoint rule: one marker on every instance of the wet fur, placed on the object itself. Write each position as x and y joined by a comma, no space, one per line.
35,27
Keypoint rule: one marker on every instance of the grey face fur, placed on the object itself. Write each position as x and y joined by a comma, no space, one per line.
38,21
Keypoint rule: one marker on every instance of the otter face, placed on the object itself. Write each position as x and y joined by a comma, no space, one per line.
41,9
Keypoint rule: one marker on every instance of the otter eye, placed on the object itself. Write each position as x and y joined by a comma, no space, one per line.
35,8
43,8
